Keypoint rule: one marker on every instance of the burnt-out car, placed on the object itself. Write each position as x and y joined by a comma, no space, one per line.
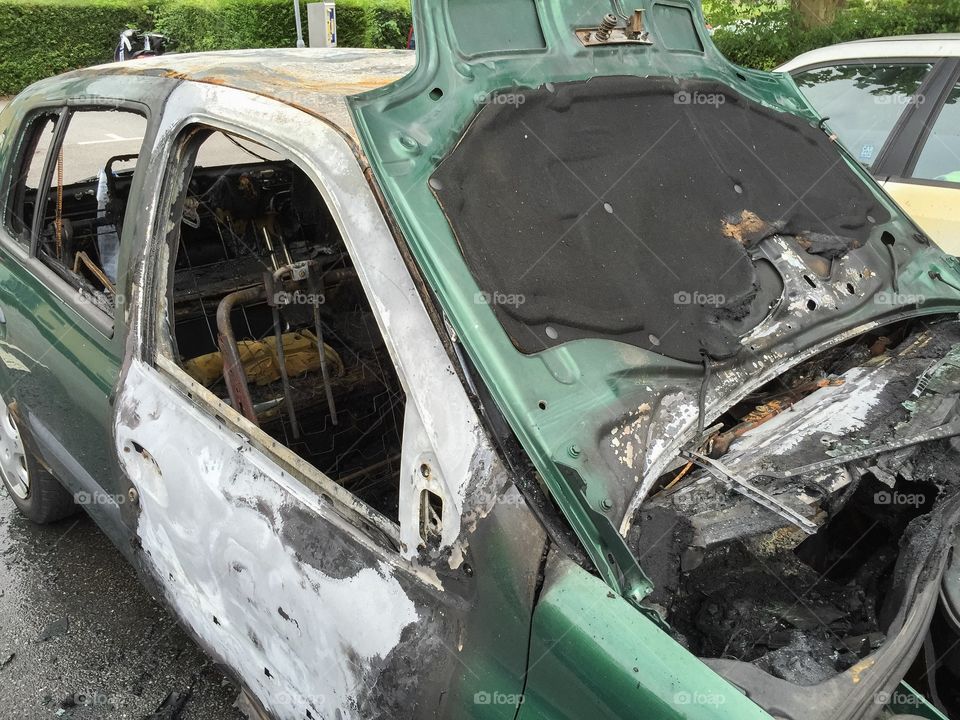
569,372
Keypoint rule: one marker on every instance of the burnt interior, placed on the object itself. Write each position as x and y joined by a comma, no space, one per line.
76,196
240,223
81,223
632,208
74,254
739,581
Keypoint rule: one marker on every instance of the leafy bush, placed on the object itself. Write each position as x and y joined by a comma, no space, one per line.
767,33
388,25
352,24
228,24
39,38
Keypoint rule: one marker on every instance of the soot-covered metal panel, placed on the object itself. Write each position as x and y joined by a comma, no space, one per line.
630,208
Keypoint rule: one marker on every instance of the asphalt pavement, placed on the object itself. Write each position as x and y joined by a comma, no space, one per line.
80,638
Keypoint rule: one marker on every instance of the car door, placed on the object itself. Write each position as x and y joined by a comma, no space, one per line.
63,328
320,605
928,188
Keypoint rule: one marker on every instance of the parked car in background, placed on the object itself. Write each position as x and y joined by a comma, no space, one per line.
895,104
569,372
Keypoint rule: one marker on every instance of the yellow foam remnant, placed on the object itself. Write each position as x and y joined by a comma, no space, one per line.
261,363
857,670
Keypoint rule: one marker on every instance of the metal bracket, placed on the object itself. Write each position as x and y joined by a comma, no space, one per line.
608,32
632,581
299,270
750,491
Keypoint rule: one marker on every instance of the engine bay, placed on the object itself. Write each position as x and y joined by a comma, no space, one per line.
792,535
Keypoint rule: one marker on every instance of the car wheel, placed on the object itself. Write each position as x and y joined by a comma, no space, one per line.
35,492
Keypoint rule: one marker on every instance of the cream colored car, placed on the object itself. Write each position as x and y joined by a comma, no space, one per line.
895,105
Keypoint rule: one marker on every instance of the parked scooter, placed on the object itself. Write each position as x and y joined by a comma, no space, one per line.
135,44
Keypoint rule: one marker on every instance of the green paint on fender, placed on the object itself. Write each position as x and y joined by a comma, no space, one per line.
593,656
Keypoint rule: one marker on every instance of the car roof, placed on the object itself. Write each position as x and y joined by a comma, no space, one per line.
317,80
906,46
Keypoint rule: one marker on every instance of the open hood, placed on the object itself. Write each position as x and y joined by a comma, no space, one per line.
629,235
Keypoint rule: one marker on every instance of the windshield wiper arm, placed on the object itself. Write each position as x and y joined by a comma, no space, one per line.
751,491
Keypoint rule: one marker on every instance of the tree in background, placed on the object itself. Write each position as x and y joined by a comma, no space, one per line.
816,13
764,33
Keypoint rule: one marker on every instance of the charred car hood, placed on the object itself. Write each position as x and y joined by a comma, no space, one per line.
628,238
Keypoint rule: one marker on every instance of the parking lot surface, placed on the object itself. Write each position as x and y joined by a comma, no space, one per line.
80,637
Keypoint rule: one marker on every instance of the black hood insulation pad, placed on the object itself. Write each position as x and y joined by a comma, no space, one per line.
630,209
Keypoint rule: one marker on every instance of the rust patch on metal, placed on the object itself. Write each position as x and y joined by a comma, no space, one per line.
748,230
769,410
312,80
283,83
808,241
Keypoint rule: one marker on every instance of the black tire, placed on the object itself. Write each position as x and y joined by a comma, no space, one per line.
48,500
44,500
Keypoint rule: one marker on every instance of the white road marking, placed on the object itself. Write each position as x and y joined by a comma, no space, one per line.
112,139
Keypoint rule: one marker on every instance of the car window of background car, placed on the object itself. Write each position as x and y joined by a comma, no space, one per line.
940,157
863,101
34,144
84,207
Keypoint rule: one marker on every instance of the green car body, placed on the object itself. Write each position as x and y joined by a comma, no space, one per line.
531,604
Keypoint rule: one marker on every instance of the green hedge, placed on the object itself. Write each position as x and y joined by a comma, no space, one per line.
39,38
364,23
228,24
767,33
